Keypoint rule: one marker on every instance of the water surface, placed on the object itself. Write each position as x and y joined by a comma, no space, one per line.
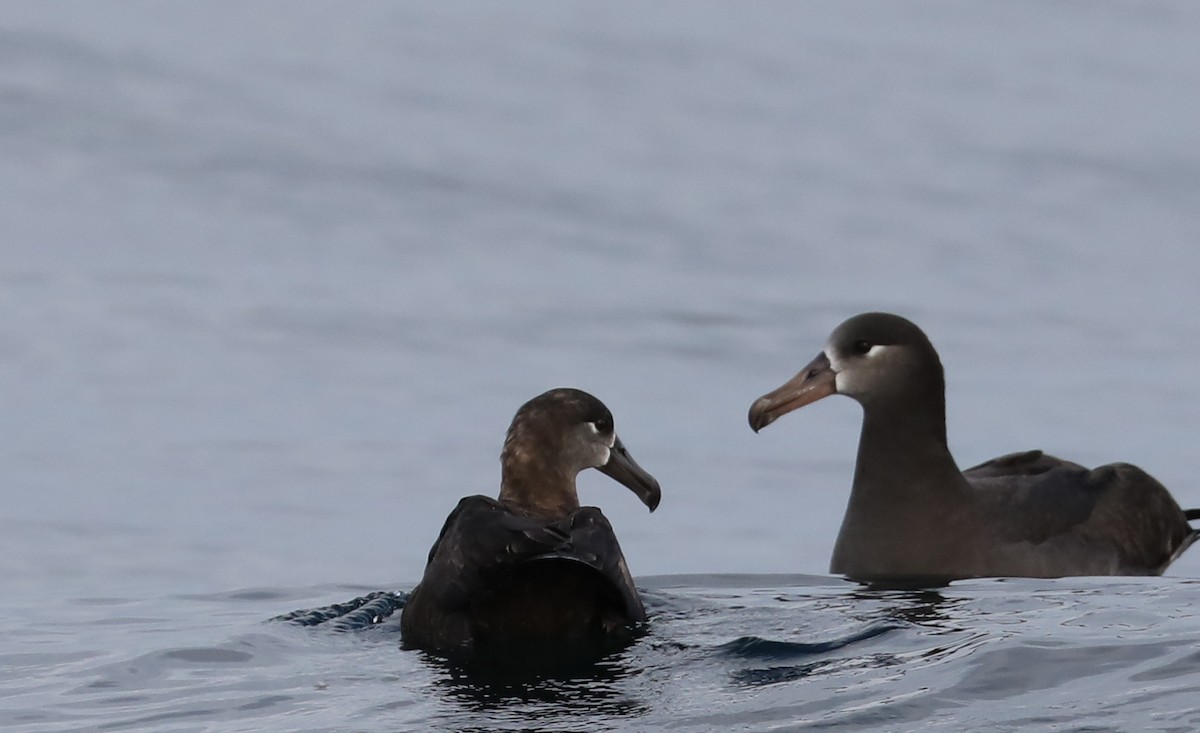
275,277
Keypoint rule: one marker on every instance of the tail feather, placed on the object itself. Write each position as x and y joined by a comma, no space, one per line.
1188,540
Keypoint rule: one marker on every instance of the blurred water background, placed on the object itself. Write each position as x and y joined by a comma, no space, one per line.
275,276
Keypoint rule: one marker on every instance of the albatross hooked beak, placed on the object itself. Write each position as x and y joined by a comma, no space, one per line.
622,468
816,380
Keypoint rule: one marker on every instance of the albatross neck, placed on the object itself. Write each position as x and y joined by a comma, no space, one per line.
903,455
538,491
908,502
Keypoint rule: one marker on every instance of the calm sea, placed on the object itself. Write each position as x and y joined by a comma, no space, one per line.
275,276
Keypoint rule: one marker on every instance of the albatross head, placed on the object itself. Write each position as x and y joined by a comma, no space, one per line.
552,438
876,358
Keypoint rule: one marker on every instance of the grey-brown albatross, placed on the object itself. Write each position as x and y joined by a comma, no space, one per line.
914,515
533,576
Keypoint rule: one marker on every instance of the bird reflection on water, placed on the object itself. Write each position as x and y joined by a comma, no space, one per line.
544,698
926,607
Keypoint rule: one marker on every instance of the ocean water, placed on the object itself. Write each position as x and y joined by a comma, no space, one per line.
275,277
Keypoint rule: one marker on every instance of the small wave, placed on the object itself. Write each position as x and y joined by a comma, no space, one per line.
756,647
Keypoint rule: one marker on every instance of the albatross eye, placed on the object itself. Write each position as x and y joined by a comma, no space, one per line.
860,347
602,425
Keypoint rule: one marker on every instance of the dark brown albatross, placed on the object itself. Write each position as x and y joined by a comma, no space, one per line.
913,515
534,577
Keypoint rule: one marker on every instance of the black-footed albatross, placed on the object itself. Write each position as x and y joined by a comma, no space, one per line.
533,575
914,515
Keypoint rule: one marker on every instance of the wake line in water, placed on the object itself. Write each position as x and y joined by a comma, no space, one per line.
361,613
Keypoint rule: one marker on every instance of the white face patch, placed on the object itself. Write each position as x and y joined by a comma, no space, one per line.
593,451
835,361
612,437
606,451
843,383
849,381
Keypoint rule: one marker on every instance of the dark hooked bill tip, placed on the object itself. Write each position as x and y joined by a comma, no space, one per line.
760,414
623,469
816,380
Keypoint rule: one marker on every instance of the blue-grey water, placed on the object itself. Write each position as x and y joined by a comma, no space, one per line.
275,276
